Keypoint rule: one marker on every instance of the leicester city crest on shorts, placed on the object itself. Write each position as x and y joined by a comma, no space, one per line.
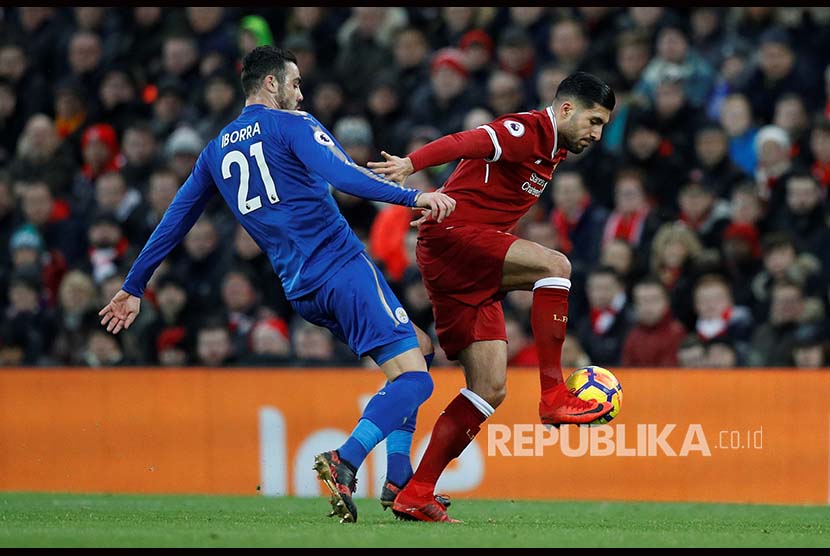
401,315
514,128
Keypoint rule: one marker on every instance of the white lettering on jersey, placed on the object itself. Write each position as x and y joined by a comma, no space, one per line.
237,135
515,128
535,191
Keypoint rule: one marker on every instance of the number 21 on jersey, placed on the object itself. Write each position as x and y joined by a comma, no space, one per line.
244,204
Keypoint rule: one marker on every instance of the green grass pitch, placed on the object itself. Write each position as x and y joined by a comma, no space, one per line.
71,520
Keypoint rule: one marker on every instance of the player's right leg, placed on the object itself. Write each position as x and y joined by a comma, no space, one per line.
485,370
530,266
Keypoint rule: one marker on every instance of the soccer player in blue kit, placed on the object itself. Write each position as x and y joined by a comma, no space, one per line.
273,166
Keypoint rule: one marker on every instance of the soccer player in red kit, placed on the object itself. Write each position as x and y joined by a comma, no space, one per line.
471,260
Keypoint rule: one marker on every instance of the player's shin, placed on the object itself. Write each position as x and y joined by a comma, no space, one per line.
549,320
399,445
386,411
456,427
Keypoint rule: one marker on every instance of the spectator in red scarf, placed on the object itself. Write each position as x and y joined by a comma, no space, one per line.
703,212
717,315
632,218
604,331
579,221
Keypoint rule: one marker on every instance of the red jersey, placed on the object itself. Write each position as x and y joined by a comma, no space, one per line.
495,192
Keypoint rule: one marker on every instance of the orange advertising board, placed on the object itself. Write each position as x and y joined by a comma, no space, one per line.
757,436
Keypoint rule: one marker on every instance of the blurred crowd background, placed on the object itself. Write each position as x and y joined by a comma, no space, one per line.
697,228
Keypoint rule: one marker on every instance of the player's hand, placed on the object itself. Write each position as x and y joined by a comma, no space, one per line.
393,168
120,312
440,206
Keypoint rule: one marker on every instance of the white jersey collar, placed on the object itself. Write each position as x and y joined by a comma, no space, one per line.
549,110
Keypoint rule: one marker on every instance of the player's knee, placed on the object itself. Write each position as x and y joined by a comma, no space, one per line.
494,393
558,265
422,384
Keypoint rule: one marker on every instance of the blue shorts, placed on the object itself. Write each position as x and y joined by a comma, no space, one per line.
357,306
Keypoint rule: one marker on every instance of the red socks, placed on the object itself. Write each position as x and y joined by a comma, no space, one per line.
455,429
549,319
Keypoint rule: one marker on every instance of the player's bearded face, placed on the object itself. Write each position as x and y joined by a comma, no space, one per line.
288,95
583,127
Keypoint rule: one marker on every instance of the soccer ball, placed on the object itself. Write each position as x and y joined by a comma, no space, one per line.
596,383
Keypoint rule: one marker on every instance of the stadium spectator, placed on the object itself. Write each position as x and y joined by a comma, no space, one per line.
214,346
269,343
773,341
477,50
204,262
713,167
632,219
26,81
411,55
241,301
675,58
504,93
443,101
772,147
805,213
76,310
703,212
655,338
103,350
603,330
59,230
783,260
810,347
40,156
791,115
140,148
780,71
721,354
112,195
736,118
578,221
717,315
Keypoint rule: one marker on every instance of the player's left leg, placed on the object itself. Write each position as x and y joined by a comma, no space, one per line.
360,308
530,266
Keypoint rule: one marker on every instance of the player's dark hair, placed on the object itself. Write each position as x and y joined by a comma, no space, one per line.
587,90
262,61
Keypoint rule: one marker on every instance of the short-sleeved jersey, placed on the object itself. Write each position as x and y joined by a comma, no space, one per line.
273,168
496,192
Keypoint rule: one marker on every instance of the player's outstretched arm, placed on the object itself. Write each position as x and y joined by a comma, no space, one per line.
475,143
120,312
394,167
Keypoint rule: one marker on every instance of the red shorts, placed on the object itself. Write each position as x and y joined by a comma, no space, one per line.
462,269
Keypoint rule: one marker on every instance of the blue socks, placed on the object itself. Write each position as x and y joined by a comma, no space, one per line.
399,444
388,410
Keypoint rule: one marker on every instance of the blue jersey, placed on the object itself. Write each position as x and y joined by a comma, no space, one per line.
273,168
